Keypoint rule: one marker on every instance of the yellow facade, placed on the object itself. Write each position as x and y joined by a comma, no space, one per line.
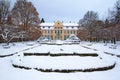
58,31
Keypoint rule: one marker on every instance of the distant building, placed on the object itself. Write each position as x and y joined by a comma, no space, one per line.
59,30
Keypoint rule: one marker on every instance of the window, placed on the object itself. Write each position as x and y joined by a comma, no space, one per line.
64,32
43,32
49,31
60,27
55,31
65,37
75,32
71,31
46,32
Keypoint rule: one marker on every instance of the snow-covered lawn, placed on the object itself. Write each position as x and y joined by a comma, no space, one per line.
16,47
60,49
104,47
8,72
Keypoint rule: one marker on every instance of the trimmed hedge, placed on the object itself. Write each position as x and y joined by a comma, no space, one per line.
112,54
2,56
118,56
68,70
59,54
109,53
21,67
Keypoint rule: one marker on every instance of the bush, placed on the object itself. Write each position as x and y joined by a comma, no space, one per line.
58,54
68,70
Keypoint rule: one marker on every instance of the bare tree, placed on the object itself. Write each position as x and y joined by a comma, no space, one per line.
25,14
4,10
117,12
7,34
114,22
89,22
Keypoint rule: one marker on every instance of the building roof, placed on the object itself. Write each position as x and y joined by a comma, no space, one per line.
69,26
65,24
46,24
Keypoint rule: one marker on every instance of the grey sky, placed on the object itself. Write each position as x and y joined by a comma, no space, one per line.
71,10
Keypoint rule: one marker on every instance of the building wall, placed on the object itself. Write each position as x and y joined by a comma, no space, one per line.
58,31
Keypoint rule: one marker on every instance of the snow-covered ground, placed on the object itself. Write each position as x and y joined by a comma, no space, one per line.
8,72
60,49
16,47
104,47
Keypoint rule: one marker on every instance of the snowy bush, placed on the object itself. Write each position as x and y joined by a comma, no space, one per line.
73,39
67,70
63,54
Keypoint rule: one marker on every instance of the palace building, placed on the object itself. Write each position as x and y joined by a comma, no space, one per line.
59,30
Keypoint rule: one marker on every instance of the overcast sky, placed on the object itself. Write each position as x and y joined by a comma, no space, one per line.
71,10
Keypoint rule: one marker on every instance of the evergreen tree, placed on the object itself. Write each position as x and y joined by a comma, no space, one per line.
42,20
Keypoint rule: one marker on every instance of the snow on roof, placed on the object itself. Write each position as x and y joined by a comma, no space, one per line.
46,24
65,24
71,28
70,24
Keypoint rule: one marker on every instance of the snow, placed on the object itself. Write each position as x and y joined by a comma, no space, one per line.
105,48
69,26
58,42
46,24
65,24
8,72
73,38
16,47
57,49
43,39
47,62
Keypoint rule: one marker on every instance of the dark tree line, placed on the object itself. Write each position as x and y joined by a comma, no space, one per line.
99,30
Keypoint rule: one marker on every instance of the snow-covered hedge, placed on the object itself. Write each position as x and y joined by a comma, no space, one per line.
63,63
2,56
63,54
67,70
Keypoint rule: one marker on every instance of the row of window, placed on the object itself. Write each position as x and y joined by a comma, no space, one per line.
57,37
60,32
51,26
59,27
70,32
